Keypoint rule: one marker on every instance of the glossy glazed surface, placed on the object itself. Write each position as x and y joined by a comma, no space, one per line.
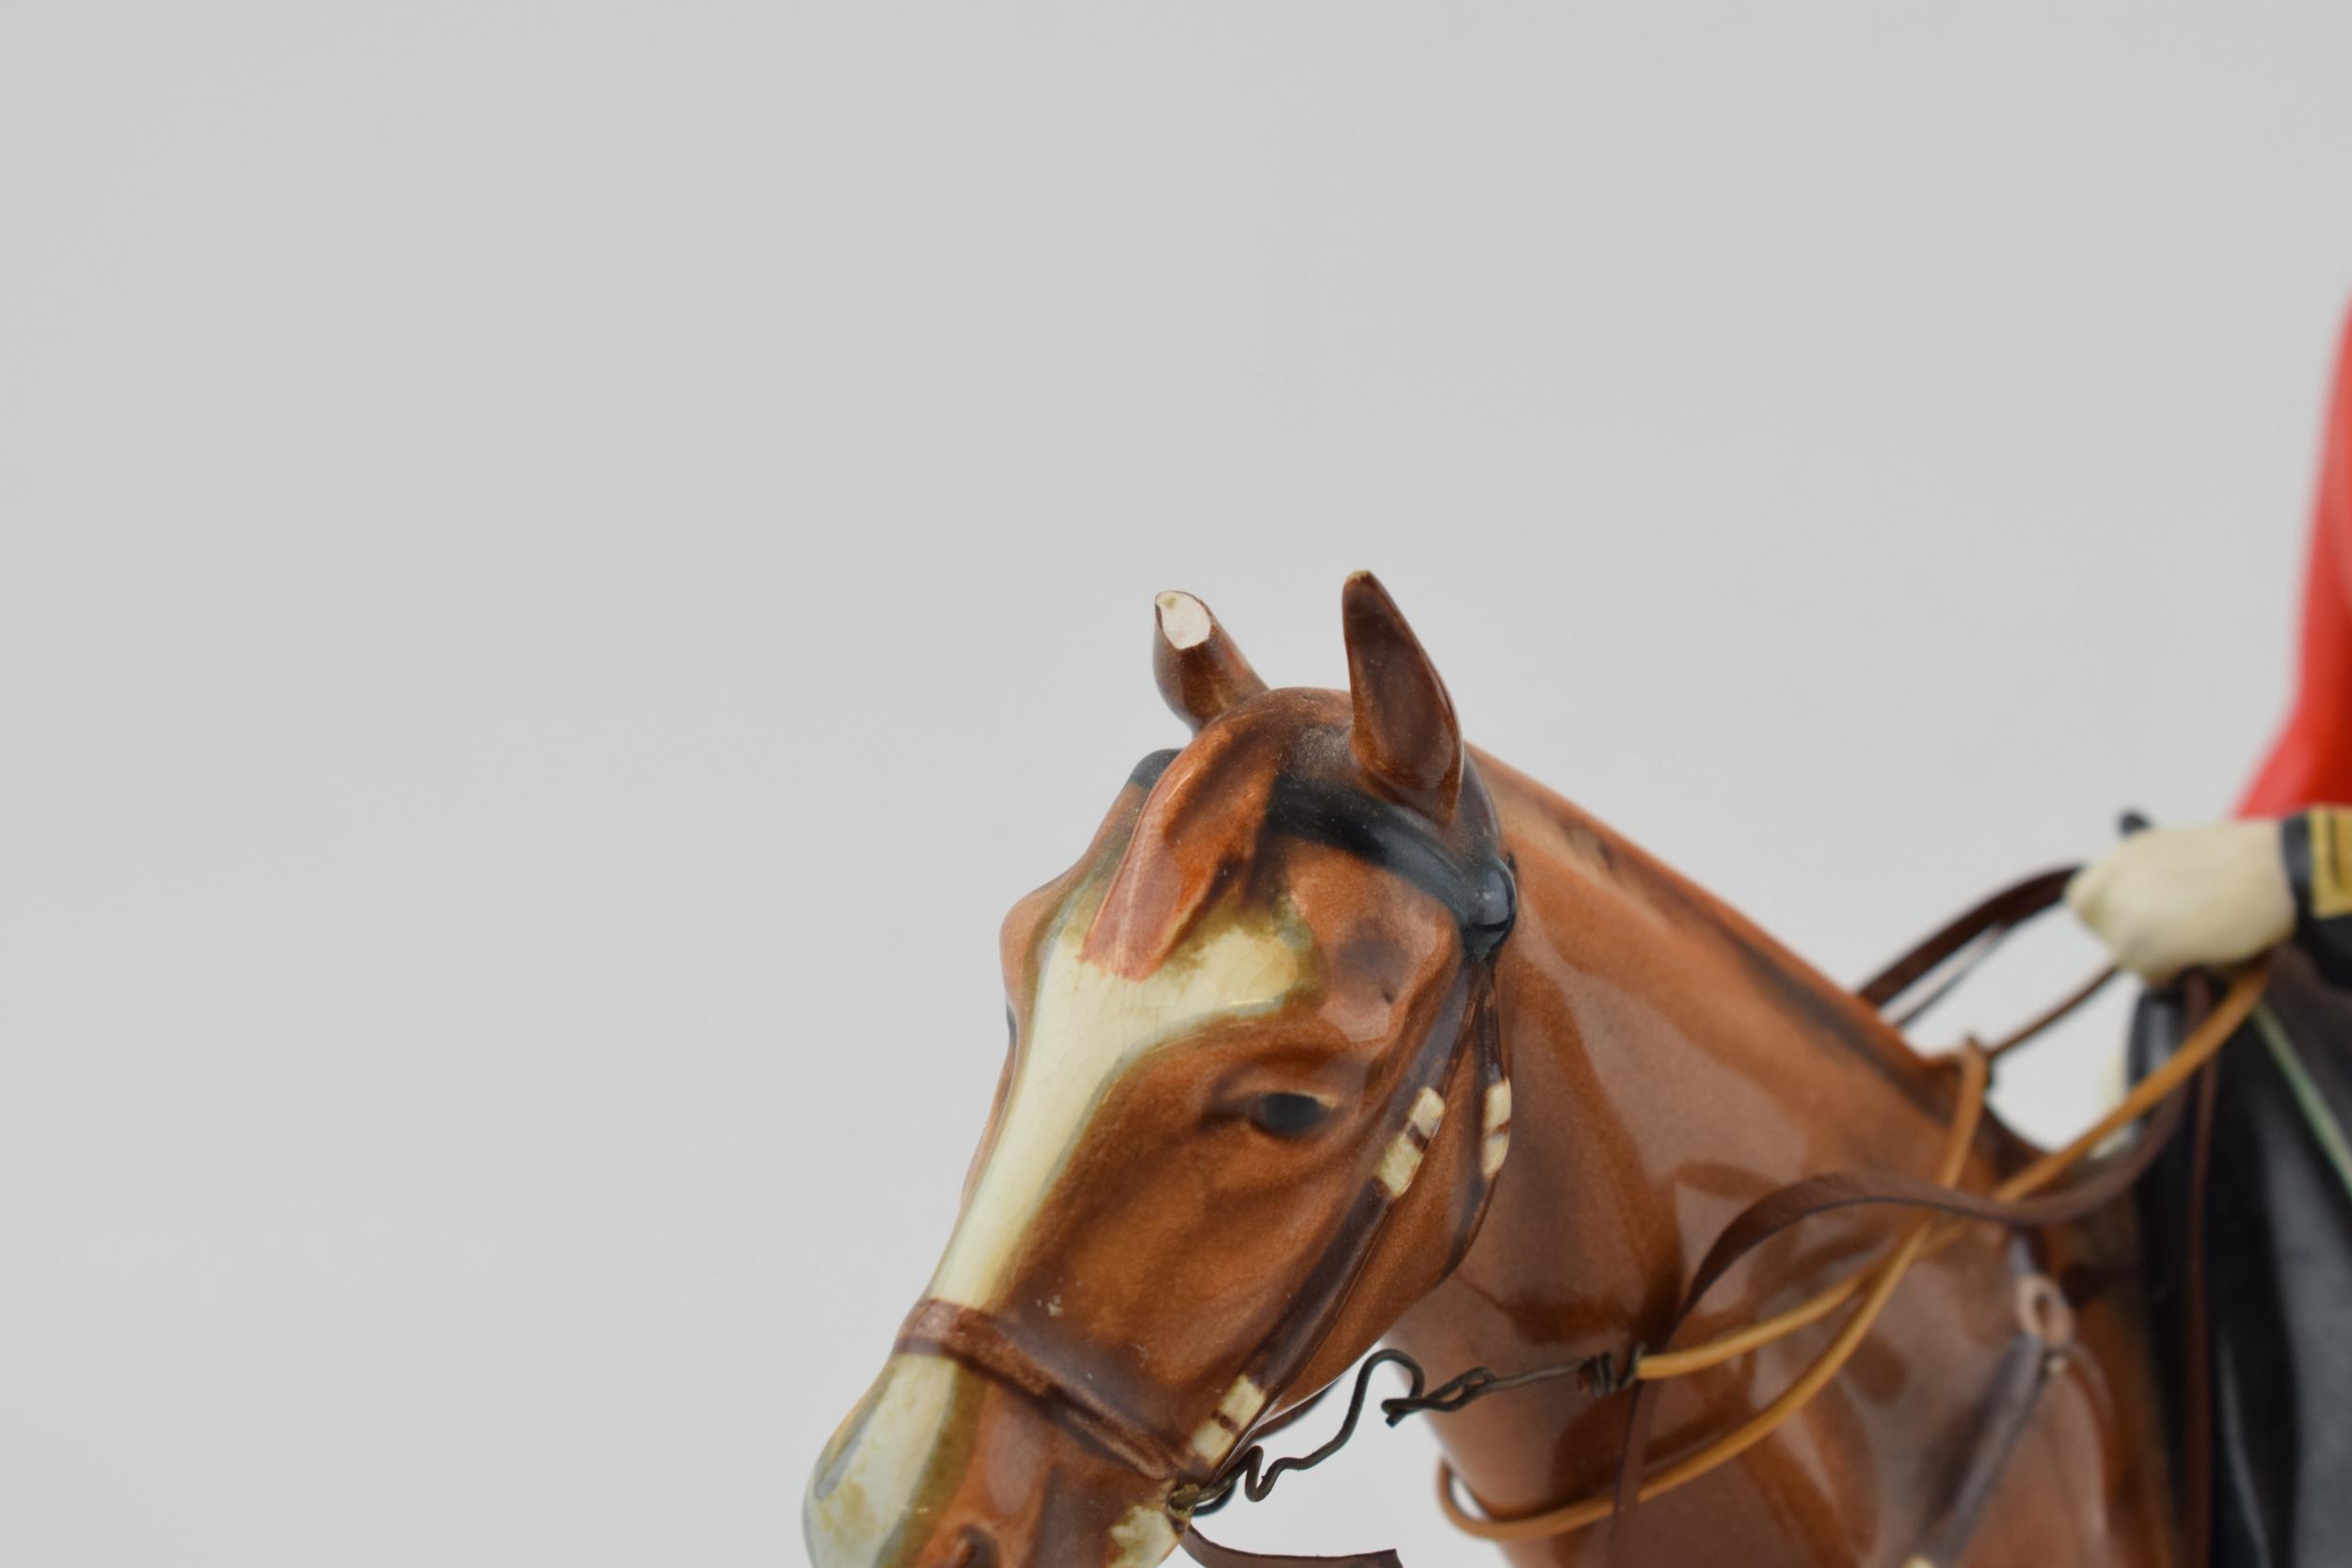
1273,1095
1671,1063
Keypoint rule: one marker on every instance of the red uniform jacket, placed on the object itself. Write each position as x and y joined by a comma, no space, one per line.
2312,762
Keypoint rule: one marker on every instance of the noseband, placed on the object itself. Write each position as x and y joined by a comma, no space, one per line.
1476,887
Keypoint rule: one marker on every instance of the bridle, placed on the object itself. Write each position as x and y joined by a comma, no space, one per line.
1474,882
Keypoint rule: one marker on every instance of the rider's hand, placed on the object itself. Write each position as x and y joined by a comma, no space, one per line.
2167,899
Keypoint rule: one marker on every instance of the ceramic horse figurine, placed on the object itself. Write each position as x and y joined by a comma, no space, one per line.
1342,1032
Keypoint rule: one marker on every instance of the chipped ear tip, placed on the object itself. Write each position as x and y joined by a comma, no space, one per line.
1183,620
1199,670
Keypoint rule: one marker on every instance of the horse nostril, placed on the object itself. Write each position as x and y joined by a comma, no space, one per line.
972,1550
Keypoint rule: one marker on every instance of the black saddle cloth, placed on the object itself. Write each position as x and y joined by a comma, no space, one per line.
2277,1279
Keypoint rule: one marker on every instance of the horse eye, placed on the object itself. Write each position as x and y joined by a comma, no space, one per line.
1287,1116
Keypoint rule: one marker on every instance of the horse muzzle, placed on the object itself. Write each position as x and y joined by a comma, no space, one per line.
942,1467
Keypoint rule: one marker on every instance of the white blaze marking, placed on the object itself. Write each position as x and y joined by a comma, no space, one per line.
1087,1028
1428,1109
862,1489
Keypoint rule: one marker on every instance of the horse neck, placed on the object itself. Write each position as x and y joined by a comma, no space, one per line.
1670,1063
1662,1045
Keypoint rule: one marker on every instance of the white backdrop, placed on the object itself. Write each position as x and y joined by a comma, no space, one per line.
564,565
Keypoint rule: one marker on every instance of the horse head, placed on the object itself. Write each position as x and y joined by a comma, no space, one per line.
1253,1107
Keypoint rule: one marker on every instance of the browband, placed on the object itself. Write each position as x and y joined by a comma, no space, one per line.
1479,892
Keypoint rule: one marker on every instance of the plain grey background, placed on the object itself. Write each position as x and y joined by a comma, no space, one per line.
564,565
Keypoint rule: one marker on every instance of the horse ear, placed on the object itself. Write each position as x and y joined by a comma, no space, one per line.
1406,737
1200,670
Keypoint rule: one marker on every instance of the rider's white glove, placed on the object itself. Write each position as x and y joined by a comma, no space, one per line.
2170,899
